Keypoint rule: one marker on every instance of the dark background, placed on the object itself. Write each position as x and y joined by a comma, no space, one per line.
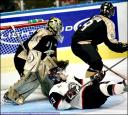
15,5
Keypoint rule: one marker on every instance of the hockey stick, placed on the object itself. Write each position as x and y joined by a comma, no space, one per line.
110,69
18,38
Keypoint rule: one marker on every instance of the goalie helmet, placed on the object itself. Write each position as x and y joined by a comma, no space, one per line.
55,25
107,9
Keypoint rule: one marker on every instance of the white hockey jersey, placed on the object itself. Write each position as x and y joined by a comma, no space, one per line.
57,92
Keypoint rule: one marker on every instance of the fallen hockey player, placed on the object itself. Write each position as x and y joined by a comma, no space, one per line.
72,92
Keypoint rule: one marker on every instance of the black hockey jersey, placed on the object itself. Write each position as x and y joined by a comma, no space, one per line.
97,30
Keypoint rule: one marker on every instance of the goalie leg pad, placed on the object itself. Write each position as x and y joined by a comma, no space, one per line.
33,60
23,88
46,64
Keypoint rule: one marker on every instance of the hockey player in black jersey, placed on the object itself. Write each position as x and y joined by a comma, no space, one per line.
98,29
48,36
71,92
34,62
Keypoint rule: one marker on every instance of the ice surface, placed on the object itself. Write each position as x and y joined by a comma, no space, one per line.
36,103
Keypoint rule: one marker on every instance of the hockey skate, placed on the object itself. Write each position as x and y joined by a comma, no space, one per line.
12,99
6,99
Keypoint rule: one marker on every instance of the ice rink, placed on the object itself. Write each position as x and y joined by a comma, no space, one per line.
36,103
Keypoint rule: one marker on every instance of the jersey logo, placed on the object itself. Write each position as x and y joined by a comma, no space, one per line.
75,86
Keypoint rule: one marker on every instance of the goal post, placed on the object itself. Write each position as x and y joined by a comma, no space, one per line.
23,25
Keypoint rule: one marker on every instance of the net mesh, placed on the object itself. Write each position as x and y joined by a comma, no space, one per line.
9,42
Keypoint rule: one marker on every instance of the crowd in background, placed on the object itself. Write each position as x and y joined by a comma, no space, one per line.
17,5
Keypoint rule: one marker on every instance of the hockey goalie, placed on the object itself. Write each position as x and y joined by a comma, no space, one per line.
34,62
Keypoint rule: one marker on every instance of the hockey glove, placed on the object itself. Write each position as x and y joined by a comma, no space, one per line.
71,94
124,47
98,77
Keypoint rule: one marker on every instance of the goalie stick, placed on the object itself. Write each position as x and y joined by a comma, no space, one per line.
18,38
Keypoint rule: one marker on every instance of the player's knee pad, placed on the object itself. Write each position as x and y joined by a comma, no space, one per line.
23,88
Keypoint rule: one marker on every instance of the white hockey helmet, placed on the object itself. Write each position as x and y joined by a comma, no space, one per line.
55,25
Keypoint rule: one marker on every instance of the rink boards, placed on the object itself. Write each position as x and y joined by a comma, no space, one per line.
7,63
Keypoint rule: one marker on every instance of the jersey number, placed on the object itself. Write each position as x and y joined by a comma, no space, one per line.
52,100
87,24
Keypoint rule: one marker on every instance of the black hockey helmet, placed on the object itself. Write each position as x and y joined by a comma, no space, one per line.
107,9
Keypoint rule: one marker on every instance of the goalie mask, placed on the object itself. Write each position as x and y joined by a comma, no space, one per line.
107,9
55,25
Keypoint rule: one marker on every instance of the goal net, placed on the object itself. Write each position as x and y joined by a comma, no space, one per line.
9,44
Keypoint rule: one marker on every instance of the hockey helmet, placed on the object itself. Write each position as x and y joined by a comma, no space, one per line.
55,25
107,9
